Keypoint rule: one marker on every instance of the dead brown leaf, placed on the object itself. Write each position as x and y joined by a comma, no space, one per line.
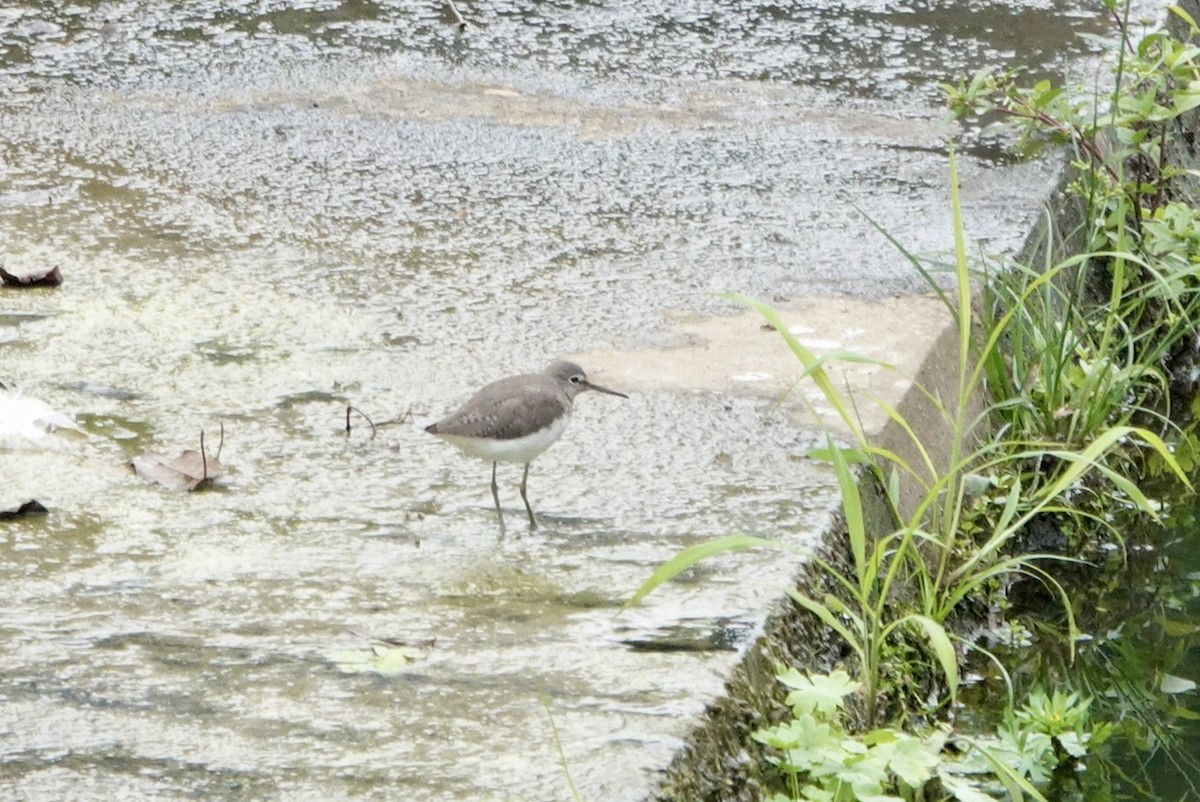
186,472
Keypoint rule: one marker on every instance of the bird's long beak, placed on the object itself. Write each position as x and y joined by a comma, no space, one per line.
587,385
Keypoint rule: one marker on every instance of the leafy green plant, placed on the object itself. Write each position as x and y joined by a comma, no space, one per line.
1122,155
820,761
1140,242
1046,734
1064,718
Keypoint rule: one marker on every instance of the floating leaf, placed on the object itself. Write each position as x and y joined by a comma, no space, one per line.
383,658
31,507
188,471
37,277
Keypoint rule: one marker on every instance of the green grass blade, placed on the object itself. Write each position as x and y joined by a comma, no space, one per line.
962,277
852,639
856,528
943,648
1010,506
930,281
694,554
1156,442
808,359
558,745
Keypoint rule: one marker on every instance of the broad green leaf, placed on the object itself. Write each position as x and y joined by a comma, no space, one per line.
781,736
913,762
821,693
868,780
811,793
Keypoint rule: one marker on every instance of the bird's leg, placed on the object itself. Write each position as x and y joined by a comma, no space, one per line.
525,498
496,498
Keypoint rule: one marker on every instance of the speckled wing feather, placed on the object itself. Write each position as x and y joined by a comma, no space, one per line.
507,409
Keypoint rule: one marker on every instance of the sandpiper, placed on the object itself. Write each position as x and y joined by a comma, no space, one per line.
516,419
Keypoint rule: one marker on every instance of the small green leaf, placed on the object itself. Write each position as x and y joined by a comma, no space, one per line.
1072,745
811,793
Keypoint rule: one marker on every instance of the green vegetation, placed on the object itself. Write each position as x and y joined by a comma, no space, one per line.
1107,339
1070,375
820,761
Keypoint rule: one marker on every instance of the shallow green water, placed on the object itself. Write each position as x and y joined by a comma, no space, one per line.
1144,668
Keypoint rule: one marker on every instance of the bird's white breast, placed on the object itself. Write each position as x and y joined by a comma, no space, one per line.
518,449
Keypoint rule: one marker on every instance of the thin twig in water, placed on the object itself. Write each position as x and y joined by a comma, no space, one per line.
203,458
405,417
370,422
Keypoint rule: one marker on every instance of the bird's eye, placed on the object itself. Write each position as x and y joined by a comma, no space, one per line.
575,380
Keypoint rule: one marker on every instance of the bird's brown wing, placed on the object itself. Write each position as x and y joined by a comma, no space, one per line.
506,410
